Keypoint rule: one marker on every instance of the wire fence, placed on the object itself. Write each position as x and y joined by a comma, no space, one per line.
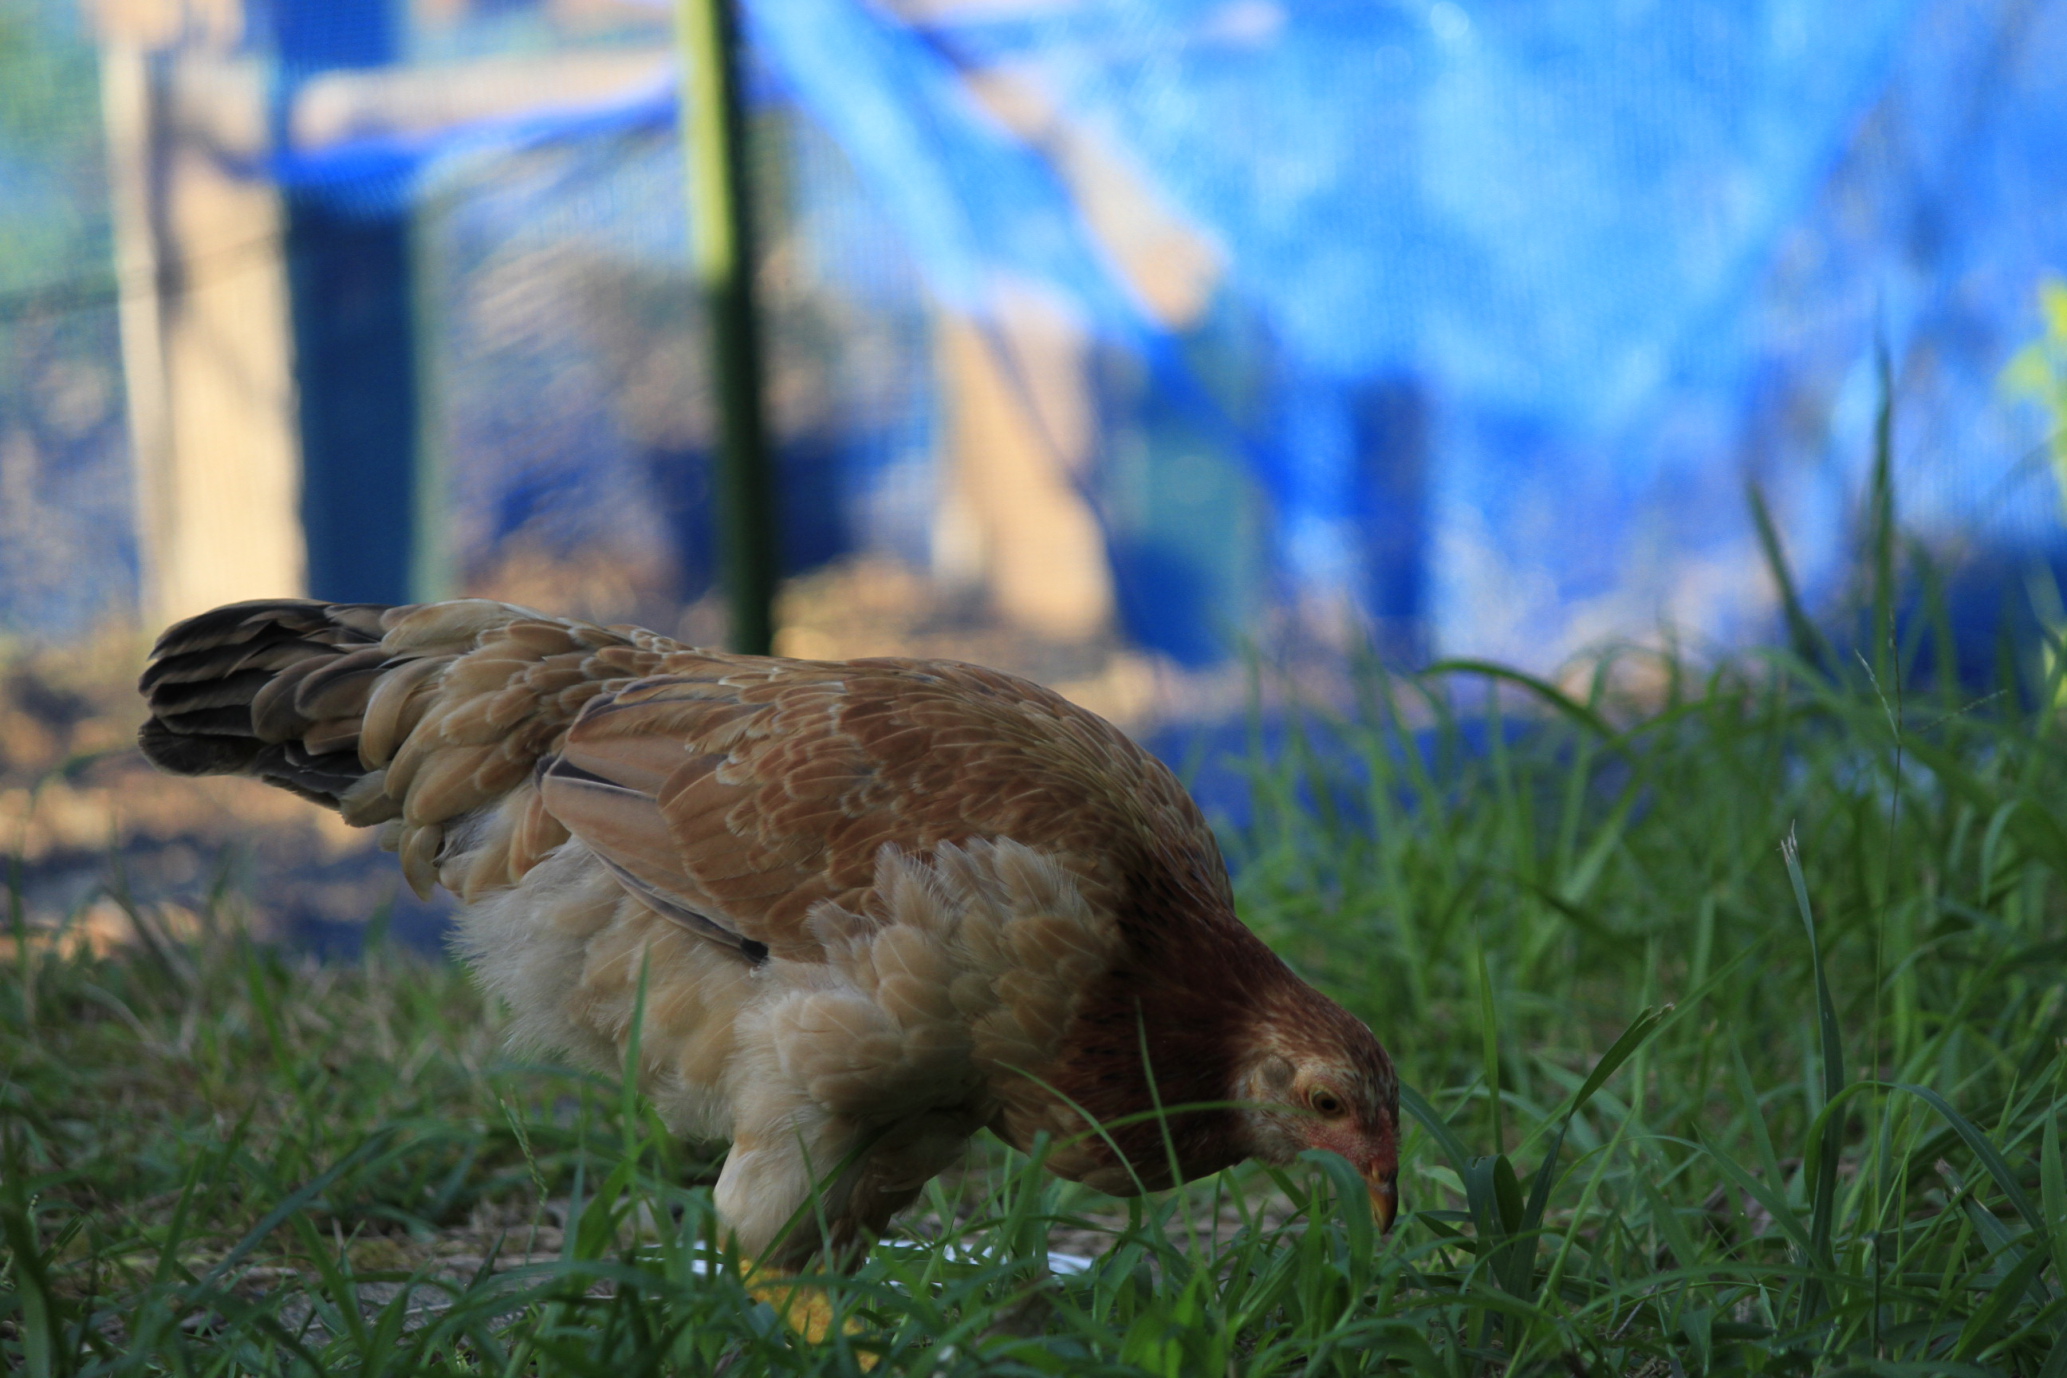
1181,326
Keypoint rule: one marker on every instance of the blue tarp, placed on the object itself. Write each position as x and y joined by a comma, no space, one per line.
1597,264
1513,298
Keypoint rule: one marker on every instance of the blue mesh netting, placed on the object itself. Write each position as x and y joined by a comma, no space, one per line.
575,410
1534,288
67,545
1511,299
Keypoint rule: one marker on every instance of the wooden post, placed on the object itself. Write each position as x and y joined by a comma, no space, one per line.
127,108
714,135
203,311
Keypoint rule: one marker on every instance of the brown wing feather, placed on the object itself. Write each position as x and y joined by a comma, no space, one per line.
748,791
741,790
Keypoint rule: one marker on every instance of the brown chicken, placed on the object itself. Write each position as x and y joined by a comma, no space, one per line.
879,904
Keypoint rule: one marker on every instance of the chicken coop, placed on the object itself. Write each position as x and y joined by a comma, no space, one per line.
1115,344
1134,333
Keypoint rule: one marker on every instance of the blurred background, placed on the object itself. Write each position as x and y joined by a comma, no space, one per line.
1126,344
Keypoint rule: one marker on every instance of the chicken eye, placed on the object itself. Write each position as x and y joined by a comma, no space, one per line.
1327,1102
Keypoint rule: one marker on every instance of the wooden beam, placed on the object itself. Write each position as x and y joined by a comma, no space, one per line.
204,339
128,111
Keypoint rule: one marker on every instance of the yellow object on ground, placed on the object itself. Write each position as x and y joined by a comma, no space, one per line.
803,1307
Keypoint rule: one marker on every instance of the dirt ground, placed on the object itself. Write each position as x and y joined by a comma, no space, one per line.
94,832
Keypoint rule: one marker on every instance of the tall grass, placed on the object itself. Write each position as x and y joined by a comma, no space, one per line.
1834,1148
1731,1005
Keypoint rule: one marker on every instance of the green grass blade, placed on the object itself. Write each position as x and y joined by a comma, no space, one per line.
1802,634
1775,1204
1881,528
2006,1296
1489,1042
2052,1188
1619,1052
1990,1157
1830,1144
1438,1128
1543,689
296,1202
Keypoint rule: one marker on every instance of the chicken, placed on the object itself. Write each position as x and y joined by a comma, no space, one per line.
875,905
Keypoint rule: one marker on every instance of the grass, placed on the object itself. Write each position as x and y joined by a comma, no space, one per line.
1734,1009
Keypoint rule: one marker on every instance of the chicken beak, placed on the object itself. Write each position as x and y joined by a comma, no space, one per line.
1385,1197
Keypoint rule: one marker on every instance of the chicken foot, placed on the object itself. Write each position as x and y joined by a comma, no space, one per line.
805,1308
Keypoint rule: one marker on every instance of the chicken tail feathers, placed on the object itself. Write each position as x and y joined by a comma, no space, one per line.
427,719
274,688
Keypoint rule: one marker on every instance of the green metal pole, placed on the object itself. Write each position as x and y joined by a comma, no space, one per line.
714,133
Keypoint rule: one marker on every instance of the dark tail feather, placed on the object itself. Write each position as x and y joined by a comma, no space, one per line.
272,688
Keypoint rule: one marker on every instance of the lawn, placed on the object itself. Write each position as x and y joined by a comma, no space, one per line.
1731,998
